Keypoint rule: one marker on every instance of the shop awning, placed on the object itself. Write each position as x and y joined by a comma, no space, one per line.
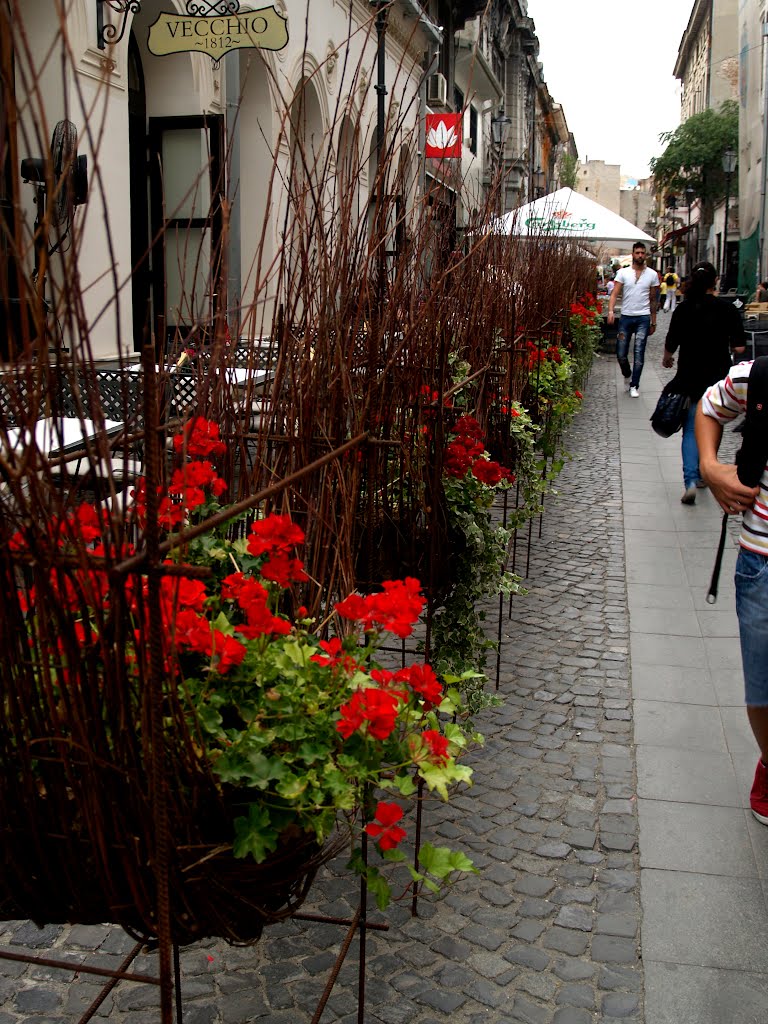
675,235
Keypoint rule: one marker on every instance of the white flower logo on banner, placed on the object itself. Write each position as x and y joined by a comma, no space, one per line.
441,137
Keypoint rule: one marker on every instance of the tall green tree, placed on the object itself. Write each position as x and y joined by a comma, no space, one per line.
693,159
567,171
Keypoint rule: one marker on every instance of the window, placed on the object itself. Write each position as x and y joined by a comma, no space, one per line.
473,122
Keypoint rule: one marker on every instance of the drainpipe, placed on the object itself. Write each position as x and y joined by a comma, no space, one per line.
430,70
234,284
761,233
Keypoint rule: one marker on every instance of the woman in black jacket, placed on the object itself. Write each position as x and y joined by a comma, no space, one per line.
706,330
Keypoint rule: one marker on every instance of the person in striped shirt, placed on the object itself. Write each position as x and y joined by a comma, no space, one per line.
720,404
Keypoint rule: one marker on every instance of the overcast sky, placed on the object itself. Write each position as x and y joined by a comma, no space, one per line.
610,65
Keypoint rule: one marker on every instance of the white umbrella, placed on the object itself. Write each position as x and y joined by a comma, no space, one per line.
569,214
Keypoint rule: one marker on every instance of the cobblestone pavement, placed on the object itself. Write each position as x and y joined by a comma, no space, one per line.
548,932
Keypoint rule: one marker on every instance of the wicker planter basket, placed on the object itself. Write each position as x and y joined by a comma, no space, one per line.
55,874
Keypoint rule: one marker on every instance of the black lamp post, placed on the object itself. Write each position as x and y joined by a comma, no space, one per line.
671,207
689,194
499,127
729,166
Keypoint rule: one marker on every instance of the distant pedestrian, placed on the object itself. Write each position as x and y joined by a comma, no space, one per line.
721,403
671,280
638,288
762,292
706,330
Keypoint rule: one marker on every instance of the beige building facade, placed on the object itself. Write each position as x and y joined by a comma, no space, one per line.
707,64
600,182
753,252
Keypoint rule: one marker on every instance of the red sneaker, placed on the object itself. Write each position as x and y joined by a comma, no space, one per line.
758,798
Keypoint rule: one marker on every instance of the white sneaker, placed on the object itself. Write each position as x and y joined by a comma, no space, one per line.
634,392
626,383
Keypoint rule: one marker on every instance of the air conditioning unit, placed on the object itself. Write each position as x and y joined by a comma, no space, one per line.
437,90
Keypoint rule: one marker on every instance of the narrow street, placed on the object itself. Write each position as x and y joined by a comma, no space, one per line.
622,877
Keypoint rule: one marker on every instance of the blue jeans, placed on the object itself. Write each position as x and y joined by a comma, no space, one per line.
639,326
690,450
752,610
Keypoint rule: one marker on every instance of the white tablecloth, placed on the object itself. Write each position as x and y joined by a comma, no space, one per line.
60,435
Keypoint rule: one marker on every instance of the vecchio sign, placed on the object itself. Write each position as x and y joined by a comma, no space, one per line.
172,33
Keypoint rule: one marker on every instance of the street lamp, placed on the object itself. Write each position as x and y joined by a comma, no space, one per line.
539,183
499,127
671,202
729,166
690,192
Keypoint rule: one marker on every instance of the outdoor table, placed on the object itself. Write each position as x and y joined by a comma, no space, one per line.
60,435
240,376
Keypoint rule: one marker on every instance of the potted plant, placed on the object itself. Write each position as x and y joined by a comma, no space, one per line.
284,741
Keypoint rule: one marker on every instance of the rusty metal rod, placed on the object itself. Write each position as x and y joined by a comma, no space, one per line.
322,919
67,965
110,985
336,968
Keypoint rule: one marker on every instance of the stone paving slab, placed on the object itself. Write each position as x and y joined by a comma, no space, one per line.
549,932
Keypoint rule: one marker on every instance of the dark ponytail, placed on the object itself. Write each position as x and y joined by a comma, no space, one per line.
703,277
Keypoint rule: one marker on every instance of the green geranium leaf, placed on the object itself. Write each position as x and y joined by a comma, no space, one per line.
378,887
254,834
440,777
292,786
209,717
440,862
310,752
249,766
395,856
222,623
405,784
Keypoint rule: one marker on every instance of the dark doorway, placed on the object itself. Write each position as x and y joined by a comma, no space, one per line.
137,142
186,189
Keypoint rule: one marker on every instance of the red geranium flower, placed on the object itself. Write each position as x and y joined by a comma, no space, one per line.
275,533
193,631
468,426
228,651
487,472
422,680
180,592
200,438
384,828
395,609
374,709
283,570
436,745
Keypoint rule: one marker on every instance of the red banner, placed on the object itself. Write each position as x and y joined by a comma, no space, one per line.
443,136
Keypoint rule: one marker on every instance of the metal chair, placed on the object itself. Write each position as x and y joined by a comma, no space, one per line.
758,341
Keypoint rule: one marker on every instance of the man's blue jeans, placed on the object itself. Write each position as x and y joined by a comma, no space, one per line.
639,326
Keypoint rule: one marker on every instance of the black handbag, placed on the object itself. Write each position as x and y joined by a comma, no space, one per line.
670,412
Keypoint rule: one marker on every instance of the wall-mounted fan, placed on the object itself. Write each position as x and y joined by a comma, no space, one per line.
61,184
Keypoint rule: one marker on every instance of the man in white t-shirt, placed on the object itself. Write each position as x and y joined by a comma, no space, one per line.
638,288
